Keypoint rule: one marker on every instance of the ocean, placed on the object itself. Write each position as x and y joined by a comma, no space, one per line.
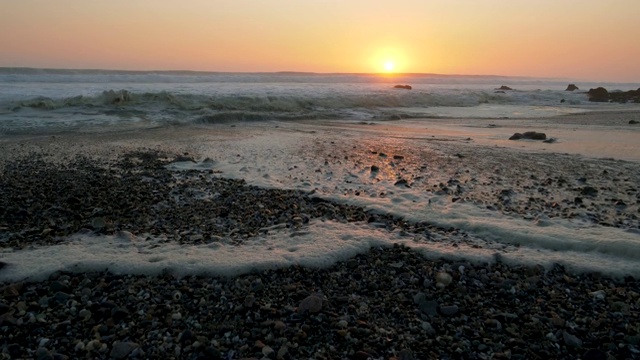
34,100
437,154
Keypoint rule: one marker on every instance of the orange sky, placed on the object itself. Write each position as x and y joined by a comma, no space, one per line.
577,39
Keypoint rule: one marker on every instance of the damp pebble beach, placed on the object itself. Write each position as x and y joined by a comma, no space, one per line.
387,302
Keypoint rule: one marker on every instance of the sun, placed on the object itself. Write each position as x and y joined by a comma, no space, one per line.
389,66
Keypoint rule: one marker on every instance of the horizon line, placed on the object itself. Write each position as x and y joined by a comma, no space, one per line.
28,69
292,72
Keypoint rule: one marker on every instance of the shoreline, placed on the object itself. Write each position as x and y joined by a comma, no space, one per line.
387,302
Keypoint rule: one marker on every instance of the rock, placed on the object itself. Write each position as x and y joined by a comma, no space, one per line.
449,309
534,135
267,351
571,340
633,122
589,191
549,141
311,303
12,290
212,353
572,87
122,349
43,354
406,87
405,354
428,328
429,307
374,168
504,87
599,94
443,279
402,182
529,135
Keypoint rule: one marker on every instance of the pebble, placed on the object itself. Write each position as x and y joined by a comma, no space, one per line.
443,279
571,340
122,349
311,303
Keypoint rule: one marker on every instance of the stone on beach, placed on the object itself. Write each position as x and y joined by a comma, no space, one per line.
311,304
529,135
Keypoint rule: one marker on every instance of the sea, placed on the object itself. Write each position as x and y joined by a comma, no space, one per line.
278,112
48,100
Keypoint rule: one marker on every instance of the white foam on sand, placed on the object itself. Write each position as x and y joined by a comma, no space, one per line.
284,158
318,245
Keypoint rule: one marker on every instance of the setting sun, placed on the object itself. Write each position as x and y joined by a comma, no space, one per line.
389,66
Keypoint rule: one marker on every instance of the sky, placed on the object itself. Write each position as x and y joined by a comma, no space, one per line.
571,39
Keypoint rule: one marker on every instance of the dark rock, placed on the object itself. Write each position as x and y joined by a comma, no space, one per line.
499,92
534,135
43,354
504,87
449,310
529,135
186,335
549,141
374,168
599,94
571,340
589,191
122,349
405,354
311,303
429,307
631,122
402,182
572,87
212,353
406,87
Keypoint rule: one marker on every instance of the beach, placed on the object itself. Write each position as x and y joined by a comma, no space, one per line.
409,239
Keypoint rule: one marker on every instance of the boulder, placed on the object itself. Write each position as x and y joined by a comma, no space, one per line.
529,135
602,95
406,87
599,94
504,87
633,122
625,96
572,87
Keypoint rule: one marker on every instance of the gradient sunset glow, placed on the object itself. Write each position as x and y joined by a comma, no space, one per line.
595,40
